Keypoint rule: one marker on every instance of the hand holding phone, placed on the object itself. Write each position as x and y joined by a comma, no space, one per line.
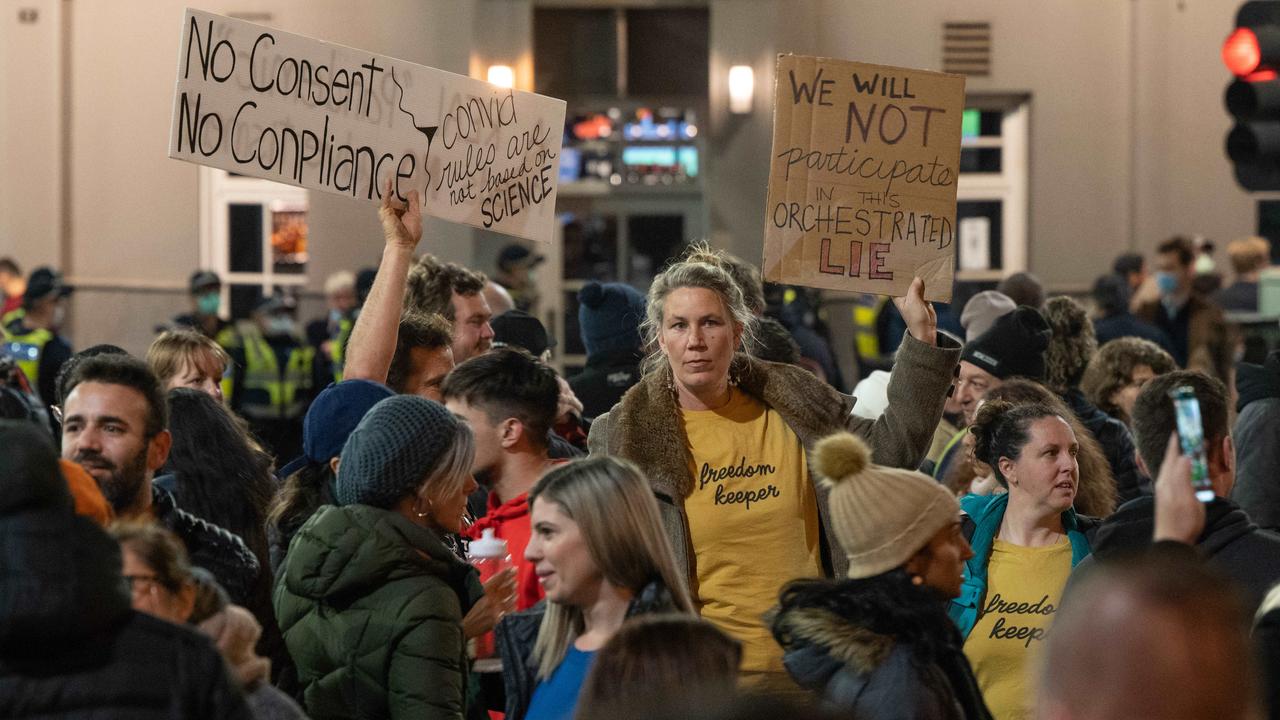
1191,439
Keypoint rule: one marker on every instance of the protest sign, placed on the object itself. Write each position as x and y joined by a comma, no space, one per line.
270,104
862,177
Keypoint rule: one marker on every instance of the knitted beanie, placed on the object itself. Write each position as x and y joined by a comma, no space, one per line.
881,516
393,449
1013,347
609,316
982,311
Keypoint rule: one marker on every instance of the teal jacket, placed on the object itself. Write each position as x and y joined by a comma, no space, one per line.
985,513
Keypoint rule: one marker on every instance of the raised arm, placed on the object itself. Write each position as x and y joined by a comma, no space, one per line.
373,339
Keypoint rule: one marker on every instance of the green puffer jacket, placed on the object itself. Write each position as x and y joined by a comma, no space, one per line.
371,608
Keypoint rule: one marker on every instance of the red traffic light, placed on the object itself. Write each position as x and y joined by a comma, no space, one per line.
1241,52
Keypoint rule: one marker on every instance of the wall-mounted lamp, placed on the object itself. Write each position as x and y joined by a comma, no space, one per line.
742,88
502,76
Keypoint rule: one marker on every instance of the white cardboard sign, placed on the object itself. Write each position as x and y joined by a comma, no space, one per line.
257,101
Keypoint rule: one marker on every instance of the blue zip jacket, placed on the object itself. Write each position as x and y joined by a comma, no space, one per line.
986,513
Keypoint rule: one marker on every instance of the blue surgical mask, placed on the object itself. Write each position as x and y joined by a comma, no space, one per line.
280,325
209,303
1167,283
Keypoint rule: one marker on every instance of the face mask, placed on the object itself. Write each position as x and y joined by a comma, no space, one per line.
1166,283
1204,265
209,303
280,325
335,316
59,315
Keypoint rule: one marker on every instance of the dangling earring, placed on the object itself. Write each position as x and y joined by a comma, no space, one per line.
420,513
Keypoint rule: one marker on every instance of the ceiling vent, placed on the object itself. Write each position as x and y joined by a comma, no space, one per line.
966,48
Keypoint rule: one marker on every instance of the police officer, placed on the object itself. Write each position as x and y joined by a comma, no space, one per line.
275,375
32,339
206,301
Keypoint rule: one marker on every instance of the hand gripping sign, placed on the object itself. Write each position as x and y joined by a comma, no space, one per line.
862,177
270,104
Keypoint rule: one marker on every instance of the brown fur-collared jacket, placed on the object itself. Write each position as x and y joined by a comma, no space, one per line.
645,427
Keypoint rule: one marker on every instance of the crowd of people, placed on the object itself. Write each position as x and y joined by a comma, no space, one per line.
256,520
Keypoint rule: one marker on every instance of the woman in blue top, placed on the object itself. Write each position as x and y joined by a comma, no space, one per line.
601,556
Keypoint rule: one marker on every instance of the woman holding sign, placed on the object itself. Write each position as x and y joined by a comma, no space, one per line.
1025,543
723,438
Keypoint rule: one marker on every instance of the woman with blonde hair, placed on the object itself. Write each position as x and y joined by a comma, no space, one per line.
722,438
186,358
601,556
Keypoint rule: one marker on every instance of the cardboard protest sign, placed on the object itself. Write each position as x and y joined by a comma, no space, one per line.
274,105
862,177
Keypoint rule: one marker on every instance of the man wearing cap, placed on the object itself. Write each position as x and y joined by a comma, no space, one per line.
1014,346
515,263
206,300
32,339
275,375
609,316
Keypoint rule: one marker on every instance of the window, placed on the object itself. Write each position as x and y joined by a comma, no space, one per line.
253,233
991,197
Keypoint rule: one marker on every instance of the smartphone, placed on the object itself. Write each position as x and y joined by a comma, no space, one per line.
1191,438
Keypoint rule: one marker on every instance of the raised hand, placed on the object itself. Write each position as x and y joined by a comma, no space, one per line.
1179,515
401,225
921,318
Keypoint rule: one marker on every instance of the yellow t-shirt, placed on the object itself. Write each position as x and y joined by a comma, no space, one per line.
1024,589
753,520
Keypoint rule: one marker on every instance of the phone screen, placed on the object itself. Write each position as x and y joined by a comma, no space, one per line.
1191,438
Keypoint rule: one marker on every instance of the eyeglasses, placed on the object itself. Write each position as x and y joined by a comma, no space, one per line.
133,580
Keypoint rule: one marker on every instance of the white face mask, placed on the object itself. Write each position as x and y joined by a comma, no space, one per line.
280,325
59,315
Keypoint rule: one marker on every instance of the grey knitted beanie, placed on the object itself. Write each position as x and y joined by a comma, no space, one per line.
393,449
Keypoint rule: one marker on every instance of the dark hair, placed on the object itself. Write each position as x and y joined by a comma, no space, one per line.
1096,494
131,372
63,377
220,473
8,265
1128,263
773,342
652,657
211,599
1024,289
431,286
1154,419
158,548
300,495
417,330
1111,294
1111,369
1182,246
1001,429
508,382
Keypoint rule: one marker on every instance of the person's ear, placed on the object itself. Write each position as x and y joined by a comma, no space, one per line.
738,331
334,462
1006,470
158,450
1142,464
509,432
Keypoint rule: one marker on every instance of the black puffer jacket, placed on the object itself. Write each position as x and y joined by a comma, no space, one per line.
210,547
1257,488
517,633
1117,444
879,648
1240,549
607,376
70,646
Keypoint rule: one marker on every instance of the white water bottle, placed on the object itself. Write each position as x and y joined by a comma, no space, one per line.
489,555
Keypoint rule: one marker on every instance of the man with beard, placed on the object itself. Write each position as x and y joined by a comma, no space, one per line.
114,425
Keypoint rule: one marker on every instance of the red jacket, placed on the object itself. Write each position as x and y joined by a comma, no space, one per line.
510,522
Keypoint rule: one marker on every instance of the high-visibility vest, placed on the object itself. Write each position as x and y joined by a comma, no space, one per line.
11,317
229,339
26,347
866,336
270,392
338,348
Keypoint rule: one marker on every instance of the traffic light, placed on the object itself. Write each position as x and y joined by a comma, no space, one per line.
1252,54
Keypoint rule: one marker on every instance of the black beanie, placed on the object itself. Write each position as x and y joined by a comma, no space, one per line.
1013,347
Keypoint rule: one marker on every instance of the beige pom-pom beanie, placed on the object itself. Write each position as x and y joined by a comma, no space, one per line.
882,516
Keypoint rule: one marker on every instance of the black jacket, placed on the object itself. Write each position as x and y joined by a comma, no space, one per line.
1266,641
1257,488
1126,325
878,648
606,377
1232,543
1117,444
210,547
70,645
516,634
